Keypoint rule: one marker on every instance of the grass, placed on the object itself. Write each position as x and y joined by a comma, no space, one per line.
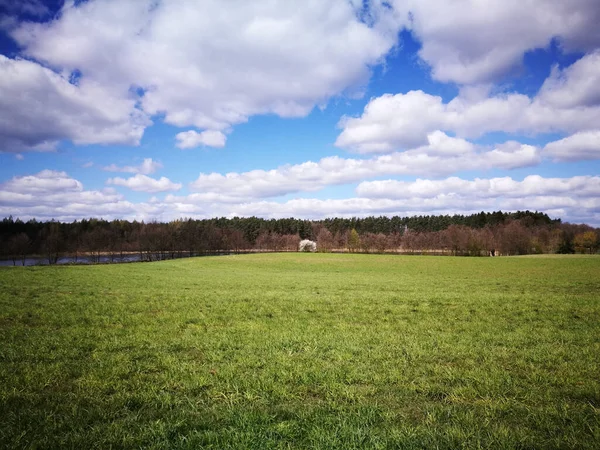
302,351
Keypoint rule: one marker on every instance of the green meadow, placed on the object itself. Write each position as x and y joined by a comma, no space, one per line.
302,351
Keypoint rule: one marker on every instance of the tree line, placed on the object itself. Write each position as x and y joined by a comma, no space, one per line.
514,233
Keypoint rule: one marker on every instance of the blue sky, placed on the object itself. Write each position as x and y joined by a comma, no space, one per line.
156,110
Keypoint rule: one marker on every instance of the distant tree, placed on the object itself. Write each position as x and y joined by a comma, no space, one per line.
394,241
305,230
553,241
324,240
353,240
340,240
367,242
456,238
306,245
52,241
409,241
188,236
380,242
566,247
515,239
433,241
94,241
488,240
511,233
264,241
586,241
18,247
373,242
290,242
422,241
112,236
152,241
211,238
236,240
476,244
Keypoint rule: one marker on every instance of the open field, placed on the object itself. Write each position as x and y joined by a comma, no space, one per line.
303,351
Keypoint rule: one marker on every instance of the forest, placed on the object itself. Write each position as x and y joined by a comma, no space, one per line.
485,233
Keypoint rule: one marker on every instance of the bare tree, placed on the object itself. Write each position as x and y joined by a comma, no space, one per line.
340,240
236,240
52,242
264,241
514,239
456,238
18,247
324,240
394,241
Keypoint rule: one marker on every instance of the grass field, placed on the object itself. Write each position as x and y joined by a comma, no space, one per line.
303,351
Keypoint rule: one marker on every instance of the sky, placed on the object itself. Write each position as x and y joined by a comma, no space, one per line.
168,109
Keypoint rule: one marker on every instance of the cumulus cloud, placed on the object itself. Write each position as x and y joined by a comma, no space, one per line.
143,183
52,194
393,122
147,167
98,71
198,66
117,63
471,42
575,86
441,156
579,146
311,208
574,199
532,185
209,138
43,182
39,107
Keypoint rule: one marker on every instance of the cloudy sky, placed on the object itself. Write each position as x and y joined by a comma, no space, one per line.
160,109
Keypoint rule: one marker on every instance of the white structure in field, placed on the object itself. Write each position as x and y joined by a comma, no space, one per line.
307,245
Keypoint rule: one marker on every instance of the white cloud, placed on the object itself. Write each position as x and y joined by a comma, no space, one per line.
106,67
319,48
472,41
197,66
441,156
143,183
147,167
51,194
577,147
531,186
311,208
38,108
209,138
511,155
574,199
577,85
204,66
42,182
393,122
440,144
